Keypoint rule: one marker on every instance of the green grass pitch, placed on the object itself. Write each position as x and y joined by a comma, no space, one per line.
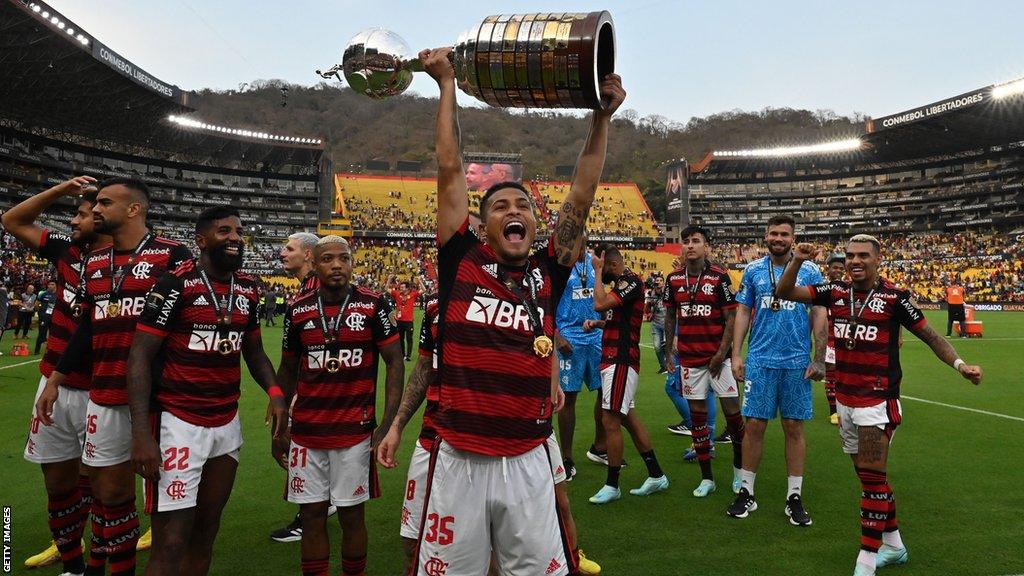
956,475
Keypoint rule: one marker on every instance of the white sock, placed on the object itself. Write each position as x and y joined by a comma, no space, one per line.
747,479
893,539
796,483
867,558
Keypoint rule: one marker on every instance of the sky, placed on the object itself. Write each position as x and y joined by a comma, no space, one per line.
678,59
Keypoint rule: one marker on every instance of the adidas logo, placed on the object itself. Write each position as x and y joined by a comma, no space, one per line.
491,269
553,566
559,470
201,301
96,274
731,389
309,325
840,302
359,491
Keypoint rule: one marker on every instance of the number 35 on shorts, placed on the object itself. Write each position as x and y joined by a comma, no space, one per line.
439,529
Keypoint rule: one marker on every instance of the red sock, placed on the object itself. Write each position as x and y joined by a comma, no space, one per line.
353,566
315,567
874,508
701,441
890,522
97,562
734,424
121,531
67,515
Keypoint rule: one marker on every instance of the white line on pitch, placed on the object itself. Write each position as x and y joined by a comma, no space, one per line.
19,364
986,412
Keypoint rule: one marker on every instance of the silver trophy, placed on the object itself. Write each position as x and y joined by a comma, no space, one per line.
509,61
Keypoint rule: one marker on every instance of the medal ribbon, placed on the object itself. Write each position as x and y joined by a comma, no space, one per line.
528,303
854,318
330,338
693,291
771,273
117,274
223,322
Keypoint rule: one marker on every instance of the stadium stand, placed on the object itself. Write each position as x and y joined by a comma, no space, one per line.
125,122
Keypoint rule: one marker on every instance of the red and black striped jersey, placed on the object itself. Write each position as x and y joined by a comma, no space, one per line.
495,395
620,341
700,323
336,410
112,335
869,373
310,284
66,258
428,341
192,379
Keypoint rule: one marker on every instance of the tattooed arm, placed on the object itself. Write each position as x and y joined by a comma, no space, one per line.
572,218
944,351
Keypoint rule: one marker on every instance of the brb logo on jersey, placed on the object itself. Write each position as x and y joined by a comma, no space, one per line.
349,358
862,332
500,313
206,340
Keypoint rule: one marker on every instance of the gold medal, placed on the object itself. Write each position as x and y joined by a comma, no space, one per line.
775,305
542,346
76,311
333,365
851,344
225,347
113,309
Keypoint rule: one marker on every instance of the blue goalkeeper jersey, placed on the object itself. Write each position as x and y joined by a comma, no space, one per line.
577,305
778,339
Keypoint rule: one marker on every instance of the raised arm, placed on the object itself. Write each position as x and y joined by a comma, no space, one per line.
787,288
452,190
20,220
572,218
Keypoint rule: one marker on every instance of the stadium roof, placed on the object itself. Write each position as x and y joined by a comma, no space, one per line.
972,124
63,83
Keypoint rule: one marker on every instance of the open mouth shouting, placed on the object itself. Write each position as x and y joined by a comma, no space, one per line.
514,231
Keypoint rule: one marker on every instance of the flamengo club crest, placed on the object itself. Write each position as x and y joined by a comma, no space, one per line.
435,567
298,485
355,322
876,305
176,490
141,270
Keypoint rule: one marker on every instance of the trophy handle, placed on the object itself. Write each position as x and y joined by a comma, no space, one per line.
416,65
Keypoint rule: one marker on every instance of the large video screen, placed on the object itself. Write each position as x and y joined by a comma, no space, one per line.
482,175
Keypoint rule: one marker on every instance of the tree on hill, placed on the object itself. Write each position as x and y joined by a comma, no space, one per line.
357,129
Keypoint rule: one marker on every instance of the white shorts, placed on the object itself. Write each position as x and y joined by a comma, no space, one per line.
65,438
108,435
475,503
555,456
618,388
695,381
185,448
886,415
341,476
415,488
